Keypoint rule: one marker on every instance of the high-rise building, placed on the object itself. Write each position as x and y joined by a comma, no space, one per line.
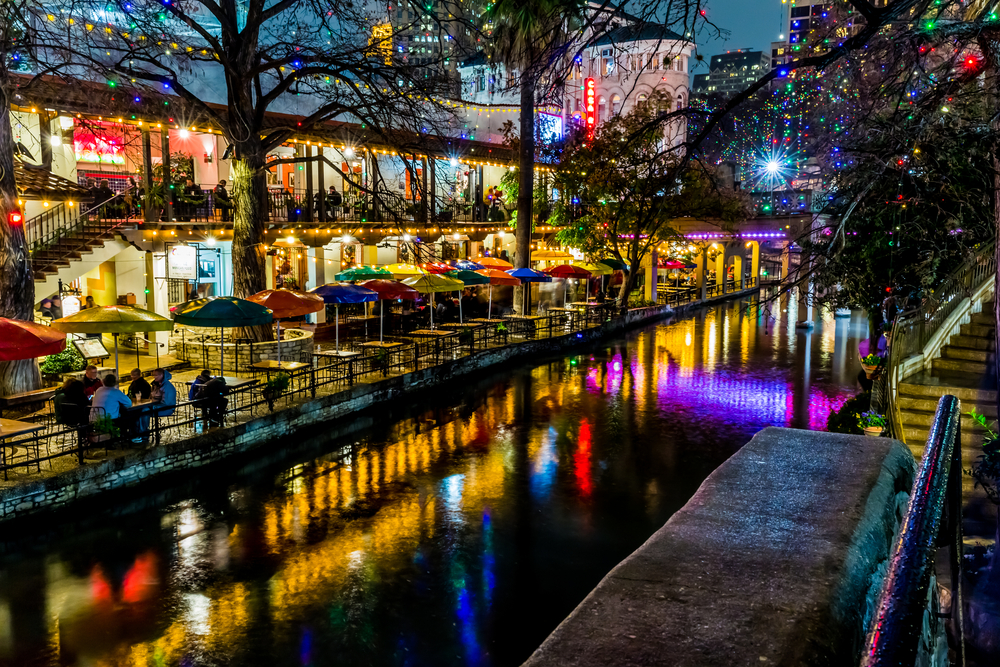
436,35
731,72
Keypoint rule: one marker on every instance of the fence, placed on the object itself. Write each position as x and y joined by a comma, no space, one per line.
933,518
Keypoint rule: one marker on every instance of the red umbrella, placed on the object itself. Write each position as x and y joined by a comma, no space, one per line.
285,303
672,264
388,290
568,271
27,340
497,277
437,267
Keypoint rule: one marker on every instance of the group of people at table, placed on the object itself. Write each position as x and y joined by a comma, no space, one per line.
79,401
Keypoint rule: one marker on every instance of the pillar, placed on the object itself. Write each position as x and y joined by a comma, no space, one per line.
754,262
307,205
156,300
651,265
785,260
432,193
147,174
720,271
45,137
425,210
320,275
701,273
480,191
168,187
369,255
321,186
737,273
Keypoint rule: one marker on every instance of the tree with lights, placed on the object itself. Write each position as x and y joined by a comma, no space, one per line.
623,206
228,64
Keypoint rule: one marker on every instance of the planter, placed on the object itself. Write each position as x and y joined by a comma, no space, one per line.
869,370
874,431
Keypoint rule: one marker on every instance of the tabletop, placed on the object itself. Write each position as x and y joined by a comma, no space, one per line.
12,427
335,353
462,325
271,365
524,317
495,320
560,309
430,333
382,344
588,304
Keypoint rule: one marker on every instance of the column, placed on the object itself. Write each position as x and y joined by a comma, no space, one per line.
307,205
479,196
701,274
321,186
755,262
320,274
156,299
432,194
785,260
720,272
147,174
168,187
424,208
650,265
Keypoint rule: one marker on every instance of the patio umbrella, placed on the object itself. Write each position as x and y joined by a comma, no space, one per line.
673,264
431,284
615,264
400,271
386,291
437,267
337,294
548,255
567,271
497,277
466,265
113,320
595,269
467,278
363,273
529,276
26,340
285,303
495,263
220,312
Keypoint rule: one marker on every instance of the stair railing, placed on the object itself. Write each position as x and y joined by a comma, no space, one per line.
914,328
60,222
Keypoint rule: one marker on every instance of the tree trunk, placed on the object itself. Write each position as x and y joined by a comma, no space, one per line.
249,197
17,285
525,184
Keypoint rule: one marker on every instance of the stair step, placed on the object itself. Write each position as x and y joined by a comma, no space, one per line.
973,342
979,330
929,405
967,354
972,442
973,395
960,365
924,419
986,318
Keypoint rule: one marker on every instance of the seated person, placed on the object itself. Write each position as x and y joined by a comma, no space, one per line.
70,404
164,394
91,382
139,389
215,402
198,384
109,401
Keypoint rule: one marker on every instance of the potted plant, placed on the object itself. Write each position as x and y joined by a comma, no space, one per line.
983,604
502,332
872,423
104,429
466,337
870,364
275,387
67,361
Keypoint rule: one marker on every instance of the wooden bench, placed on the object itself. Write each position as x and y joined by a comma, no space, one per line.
24,398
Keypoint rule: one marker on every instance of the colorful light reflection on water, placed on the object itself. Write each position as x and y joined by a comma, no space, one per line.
457,536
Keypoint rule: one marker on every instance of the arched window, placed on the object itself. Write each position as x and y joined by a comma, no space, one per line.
680,101
616,105
641,99
602,110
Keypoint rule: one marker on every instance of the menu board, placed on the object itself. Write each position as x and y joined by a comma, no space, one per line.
91,348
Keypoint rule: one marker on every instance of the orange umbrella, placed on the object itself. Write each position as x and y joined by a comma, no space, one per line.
497,277
494,263
437,267
288,303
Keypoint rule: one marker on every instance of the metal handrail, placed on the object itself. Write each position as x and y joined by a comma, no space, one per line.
894,634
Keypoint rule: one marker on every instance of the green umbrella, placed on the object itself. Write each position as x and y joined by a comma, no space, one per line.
618,265
220,312
113,320
467,278
363,273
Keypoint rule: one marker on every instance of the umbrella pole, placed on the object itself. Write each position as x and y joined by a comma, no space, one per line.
489,309
117,373
222,354
381,314
279,343
336,325
460,319
136,341
432,310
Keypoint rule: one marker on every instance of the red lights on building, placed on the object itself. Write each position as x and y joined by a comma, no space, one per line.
15,217
588,87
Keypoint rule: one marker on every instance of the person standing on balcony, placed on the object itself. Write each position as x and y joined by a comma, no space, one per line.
222,200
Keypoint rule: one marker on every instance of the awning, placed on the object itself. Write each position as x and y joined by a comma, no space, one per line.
34,182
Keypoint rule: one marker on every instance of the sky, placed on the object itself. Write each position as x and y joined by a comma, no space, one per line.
751,24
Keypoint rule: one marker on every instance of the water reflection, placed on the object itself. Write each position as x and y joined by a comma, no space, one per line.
458,536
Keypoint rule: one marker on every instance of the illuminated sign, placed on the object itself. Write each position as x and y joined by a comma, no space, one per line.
588,87
182,262
93,148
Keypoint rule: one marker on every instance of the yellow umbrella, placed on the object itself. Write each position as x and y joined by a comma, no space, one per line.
547,255
431,283
113,320
400,271
594,269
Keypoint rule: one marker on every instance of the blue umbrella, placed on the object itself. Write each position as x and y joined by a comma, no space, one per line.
466,265
337,294
529,276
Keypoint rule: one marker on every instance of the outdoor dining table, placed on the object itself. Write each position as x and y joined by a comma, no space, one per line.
570,314
433,334
524,325
10,428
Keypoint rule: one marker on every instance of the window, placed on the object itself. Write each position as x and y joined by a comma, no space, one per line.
680,102
616,105
602,110
800,11
641,99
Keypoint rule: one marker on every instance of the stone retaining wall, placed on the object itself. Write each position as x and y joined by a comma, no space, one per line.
186,343
276,429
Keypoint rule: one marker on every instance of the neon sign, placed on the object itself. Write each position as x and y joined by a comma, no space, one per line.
93,148
588,86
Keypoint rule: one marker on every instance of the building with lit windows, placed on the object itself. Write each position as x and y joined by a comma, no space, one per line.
731,72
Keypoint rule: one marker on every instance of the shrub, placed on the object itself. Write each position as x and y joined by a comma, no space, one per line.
67,361
845,420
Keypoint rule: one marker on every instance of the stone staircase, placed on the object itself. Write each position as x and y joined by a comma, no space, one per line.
70,248
964,369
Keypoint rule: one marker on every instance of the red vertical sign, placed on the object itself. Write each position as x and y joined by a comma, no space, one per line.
588,88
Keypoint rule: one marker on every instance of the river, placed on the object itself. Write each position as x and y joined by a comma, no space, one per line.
458,531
